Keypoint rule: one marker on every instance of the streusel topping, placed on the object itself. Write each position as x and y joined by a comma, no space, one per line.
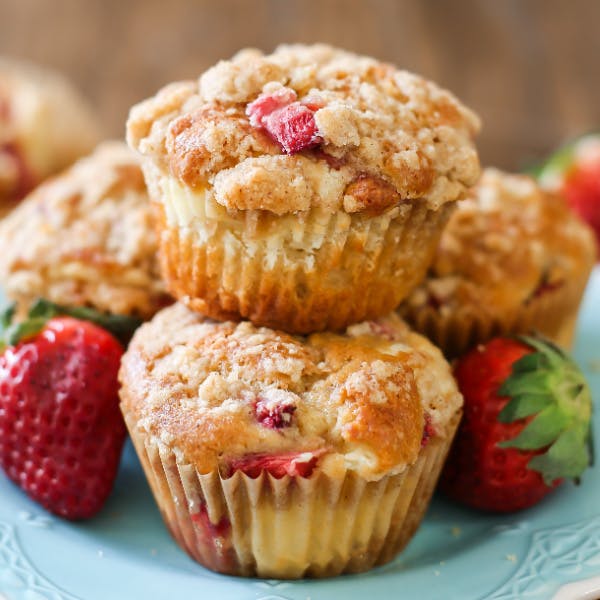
220,391
86,238
507,243
317,117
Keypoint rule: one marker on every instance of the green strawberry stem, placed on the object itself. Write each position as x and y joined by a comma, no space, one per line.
561,160
548,385
11,333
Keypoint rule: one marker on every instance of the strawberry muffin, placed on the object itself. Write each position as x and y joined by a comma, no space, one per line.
303,190
279,456
513,259
574,172
85,238
45,125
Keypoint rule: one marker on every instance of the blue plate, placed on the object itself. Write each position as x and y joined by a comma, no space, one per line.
126,553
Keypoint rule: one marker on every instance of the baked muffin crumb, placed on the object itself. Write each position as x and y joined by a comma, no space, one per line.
373,118
86,238
221,391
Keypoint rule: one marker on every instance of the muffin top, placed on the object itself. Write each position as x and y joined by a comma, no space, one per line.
306,127
45,125
505,245
218,393
86,237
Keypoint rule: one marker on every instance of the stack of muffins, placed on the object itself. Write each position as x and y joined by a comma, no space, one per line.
289,423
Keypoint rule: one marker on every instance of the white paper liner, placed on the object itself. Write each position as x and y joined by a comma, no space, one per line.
291,527
301,272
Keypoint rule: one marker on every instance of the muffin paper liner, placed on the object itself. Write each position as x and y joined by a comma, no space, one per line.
552,314
301,272
290,527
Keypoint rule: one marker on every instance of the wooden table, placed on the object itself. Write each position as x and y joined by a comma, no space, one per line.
531,68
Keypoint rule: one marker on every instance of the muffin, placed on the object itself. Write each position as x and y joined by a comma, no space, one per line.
304,190
574,172
45,125
279,456
513,259
86,238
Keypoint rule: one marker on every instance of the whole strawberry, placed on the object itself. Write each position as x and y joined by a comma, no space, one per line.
575,172
61,432
526,425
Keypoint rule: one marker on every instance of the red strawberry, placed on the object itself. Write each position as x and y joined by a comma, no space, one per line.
582,190
265,104
290,123
294,464
211,531
61,431
275,408
526,425
575,172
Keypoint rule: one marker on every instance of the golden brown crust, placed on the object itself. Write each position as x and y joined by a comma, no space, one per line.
203,138
45,125
370,195
513,259
371,119
361,397
504,245
86,238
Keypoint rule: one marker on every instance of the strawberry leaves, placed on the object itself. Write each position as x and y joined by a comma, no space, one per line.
548,386
41,311
562,159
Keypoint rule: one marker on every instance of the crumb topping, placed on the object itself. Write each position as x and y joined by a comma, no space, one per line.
329,106
221,391
86,238
508,242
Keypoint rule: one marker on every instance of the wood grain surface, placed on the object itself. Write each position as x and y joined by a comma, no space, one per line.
531,68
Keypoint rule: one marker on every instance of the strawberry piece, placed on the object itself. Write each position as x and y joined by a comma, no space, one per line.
526,425
209,529
275,409
293,128
384,330
581,188
294,464
428,431
546,287
290,123
265,104
61,431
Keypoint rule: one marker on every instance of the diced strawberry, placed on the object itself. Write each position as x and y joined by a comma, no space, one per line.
290,123
275,409
209,529
547,286
383,330
293,127
294,464
428,431
265,104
